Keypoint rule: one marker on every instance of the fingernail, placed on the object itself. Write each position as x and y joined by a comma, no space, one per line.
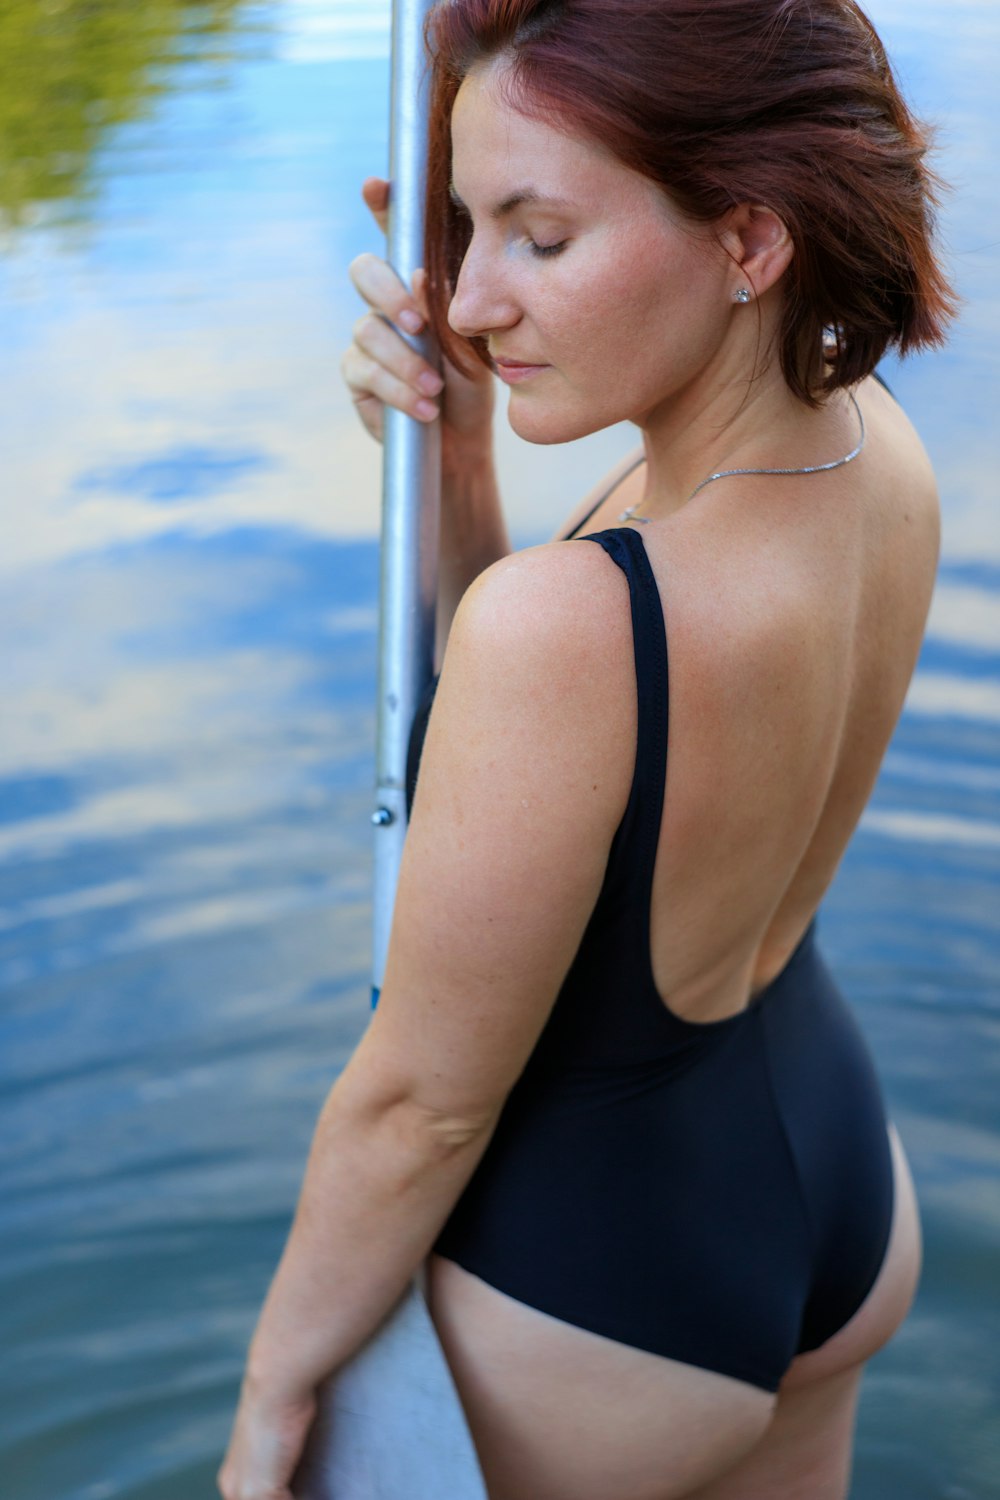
411,321
426,409
430,381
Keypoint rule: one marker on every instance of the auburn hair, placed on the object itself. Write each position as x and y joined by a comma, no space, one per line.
788,103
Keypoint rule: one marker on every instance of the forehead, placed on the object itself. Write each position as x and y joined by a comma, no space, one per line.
498,150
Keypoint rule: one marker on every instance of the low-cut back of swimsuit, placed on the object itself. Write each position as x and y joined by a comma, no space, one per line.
718,1193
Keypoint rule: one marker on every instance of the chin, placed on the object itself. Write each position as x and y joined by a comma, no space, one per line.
543,426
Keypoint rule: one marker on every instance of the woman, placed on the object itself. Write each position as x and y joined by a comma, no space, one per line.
611,1090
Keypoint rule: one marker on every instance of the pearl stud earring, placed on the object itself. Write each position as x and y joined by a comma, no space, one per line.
742,295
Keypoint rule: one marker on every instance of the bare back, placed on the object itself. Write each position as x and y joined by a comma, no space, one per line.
795,609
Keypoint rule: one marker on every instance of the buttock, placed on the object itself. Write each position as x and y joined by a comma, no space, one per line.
563,1414
560,1413
728,1213
891,1295
829,1102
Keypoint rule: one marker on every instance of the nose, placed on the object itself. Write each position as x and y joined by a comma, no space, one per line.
482,300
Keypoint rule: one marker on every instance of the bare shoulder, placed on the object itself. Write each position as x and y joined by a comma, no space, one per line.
537,685
552,609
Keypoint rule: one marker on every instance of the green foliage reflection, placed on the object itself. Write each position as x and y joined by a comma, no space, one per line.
72,69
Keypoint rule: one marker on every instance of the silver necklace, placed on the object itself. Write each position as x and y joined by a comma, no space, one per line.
838,463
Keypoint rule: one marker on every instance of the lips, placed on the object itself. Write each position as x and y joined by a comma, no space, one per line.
514,371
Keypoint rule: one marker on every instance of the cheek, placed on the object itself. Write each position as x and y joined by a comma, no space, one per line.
623,328
627,343
641,297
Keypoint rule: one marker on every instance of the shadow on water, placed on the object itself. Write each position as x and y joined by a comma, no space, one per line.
188,626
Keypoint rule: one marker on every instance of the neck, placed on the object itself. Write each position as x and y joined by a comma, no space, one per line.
716,424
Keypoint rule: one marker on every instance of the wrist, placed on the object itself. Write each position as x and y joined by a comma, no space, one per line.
466,458
269,1378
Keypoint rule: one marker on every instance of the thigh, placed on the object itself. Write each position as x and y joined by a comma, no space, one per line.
807,1450
559,1413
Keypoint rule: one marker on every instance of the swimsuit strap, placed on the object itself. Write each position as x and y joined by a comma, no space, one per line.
571,536
633,851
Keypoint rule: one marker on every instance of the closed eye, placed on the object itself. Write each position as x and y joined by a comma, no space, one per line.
543,250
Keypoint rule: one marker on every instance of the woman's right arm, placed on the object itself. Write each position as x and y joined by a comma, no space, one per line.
381,369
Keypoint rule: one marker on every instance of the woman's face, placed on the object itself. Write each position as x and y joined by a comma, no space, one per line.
582,270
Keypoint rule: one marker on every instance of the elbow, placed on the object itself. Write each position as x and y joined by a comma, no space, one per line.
410,1124
435,1129
450,1132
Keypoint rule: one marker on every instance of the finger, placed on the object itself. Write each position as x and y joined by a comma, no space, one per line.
365,378
382,289
375,192
420,280
372,414
377,338
369,408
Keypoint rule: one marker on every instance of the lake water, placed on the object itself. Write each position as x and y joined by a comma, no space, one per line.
188,606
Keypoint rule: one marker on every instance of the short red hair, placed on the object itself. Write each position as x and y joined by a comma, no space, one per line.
790,103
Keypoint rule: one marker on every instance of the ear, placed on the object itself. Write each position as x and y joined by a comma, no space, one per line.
757,241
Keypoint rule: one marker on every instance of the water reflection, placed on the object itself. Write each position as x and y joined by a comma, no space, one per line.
187,616
72,72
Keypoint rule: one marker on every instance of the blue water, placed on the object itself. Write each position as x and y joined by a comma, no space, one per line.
187,618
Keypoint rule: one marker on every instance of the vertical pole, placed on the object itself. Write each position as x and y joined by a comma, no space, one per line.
410,490
390,1423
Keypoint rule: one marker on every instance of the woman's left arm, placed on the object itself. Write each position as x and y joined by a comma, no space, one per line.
523,781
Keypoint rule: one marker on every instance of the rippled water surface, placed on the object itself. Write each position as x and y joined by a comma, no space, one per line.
187,615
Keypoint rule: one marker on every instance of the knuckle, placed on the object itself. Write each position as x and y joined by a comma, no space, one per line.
415,367
353,374
377,282
367,328
358,371
355,274
369,371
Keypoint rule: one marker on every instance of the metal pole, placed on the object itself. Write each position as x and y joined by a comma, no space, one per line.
390,1424
410,491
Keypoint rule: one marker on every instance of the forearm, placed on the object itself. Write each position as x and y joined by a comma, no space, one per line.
473,531
379,1183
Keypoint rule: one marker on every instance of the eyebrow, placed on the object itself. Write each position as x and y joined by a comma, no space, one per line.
513,200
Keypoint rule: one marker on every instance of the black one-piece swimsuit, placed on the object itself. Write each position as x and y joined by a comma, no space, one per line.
719,1193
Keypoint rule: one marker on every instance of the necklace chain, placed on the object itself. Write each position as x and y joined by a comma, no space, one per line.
838,463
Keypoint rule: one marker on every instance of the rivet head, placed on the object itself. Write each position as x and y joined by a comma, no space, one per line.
382,817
